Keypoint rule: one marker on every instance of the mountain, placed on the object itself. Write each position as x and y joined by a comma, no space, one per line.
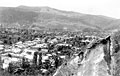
37,17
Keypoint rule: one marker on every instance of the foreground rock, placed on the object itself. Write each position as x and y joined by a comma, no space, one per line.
100,59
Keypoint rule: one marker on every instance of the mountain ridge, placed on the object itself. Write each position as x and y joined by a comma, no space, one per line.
54,18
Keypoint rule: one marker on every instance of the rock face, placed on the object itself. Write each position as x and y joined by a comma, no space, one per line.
99,60
115,56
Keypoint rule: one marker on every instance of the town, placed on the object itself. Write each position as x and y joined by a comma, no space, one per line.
43,55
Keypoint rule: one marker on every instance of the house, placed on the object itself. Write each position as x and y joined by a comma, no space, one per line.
28,53
43,45
1,47
15,50
6,60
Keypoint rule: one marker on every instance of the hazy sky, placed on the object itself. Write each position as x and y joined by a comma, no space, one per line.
109,8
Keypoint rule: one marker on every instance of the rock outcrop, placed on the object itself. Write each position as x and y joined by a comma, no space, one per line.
99,59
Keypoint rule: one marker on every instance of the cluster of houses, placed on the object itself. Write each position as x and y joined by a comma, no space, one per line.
48,53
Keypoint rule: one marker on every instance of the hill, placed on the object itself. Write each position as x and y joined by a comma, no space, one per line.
37,17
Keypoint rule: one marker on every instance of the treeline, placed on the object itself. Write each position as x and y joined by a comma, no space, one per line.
12,35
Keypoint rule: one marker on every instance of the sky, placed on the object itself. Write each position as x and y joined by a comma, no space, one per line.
109,8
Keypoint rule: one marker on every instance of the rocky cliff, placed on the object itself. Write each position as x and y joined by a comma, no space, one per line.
100,59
